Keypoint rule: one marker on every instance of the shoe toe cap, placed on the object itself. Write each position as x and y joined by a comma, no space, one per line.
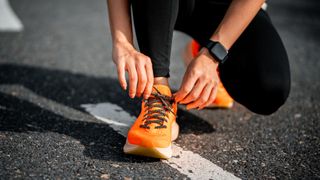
147,140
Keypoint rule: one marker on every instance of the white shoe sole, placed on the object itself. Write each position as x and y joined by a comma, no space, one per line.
162,153
264,6
212,106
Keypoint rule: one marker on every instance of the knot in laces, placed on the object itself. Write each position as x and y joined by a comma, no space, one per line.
156,108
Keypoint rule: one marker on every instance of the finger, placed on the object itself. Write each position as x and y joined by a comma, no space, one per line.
195,92
211,99
122,75
142,78
187,84
150,78
202,98
133,80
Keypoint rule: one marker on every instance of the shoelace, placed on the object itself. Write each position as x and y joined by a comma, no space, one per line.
158,116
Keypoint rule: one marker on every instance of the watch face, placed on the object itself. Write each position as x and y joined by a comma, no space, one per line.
219,51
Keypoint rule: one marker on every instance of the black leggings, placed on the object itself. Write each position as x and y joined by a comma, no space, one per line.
256,73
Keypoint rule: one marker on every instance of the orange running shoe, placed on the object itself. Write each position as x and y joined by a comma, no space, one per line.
156,127
223,99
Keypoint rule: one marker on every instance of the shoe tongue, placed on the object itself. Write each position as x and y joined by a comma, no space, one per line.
163,89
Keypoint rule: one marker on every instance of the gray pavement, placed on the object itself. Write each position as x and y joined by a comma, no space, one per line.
64,56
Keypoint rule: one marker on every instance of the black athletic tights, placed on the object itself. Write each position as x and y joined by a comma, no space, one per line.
256,73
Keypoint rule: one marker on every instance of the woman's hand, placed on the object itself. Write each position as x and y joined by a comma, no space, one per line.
199,85
138,66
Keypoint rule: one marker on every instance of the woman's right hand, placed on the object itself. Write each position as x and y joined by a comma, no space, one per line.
138,66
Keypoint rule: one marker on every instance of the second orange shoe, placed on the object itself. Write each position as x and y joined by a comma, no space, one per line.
223,99
156,127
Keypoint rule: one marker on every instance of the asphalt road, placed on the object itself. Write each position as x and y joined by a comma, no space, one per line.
62,60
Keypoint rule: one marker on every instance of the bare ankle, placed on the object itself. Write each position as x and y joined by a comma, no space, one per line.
161,80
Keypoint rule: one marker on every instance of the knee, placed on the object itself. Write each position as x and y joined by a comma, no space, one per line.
268,95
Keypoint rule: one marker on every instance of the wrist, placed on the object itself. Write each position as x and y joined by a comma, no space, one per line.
123,45
204,51
121,39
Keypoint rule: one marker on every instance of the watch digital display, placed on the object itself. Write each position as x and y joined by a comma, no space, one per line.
217,50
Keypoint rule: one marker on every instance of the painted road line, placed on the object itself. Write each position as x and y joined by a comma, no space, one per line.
46,104
9,21
186,162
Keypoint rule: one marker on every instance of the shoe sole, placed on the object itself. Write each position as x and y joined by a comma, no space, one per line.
155,152
213,106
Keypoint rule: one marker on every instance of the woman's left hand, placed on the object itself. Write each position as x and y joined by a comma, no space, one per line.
200,82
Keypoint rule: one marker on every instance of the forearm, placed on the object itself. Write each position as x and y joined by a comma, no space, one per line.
238,16
120,21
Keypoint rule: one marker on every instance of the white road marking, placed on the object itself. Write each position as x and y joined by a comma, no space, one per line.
46,104
115,116
8,19
186,162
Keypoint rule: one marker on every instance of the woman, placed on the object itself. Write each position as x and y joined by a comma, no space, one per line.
239,46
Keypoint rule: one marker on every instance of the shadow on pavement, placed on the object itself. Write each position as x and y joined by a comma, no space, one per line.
72,90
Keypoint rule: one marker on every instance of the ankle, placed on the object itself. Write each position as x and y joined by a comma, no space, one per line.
161,80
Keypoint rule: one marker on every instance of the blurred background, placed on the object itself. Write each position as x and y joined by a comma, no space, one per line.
59,52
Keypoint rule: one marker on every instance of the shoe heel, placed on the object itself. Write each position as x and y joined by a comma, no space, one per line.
174,131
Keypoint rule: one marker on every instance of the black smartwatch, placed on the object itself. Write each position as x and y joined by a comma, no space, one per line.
217,51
